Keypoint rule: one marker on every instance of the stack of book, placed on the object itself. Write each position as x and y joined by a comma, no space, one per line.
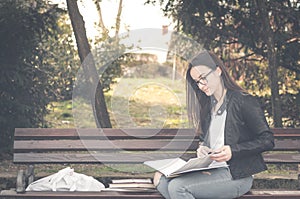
131,185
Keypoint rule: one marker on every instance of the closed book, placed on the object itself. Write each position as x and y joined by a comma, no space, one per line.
132,180
131,185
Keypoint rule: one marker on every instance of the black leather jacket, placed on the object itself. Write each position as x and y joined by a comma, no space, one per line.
247,133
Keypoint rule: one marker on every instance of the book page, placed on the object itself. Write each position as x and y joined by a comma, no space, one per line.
174,174
166,166
196,163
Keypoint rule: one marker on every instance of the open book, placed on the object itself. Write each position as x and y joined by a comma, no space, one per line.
175,166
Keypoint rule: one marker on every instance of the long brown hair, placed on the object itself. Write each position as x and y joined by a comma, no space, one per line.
198,103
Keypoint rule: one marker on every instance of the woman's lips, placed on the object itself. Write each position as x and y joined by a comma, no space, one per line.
206,91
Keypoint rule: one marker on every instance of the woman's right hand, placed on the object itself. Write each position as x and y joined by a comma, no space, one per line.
156,178
203,151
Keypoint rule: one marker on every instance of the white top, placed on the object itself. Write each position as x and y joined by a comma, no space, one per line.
216,132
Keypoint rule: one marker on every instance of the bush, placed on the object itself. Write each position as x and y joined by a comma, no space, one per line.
24,91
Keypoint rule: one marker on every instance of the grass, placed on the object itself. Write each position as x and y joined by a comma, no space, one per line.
153,103
60,115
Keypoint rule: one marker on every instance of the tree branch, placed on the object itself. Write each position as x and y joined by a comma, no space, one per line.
118,19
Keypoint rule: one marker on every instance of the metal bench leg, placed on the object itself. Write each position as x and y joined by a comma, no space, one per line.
20,181
30,174
298,176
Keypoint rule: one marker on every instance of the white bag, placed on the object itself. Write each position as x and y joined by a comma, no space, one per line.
66,180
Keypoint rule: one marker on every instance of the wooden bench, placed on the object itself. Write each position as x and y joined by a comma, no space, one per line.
126,146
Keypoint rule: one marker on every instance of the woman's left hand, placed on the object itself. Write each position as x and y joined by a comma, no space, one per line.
222,154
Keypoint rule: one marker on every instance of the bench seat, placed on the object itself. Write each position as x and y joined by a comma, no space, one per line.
253,194
126,146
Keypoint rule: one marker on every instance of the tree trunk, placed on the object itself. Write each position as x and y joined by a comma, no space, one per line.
101,23
89,68
272,58
118,18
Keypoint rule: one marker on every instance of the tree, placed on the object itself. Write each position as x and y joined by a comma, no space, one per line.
88,64
268,37
108,47
258,31
25,91
60,60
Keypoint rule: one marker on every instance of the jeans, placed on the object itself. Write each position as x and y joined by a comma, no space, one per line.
215,183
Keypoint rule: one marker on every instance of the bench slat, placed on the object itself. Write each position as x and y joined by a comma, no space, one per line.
129,157
83,145
286,131
48,133
287,145
140,144
282,157
274,194
83,195
113,158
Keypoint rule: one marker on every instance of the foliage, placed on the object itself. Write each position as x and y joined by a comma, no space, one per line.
220,23
59,115
236,31
60,60
109,55
27,75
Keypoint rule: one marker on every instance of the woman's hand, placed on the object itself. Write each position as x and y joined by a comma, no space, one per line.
156,178
222,154
203,151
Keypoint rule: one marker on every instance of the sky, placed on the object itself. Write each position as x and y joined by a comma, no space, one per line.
135,15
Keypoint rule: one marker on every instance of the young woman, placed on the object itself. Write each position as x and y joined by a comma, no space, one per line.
233,132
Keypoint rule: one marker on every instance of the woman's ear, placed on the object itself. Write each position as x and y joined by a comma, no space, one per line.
219,70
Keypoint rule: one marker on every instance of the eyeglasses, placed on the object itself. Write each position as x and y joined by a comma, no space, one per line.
203,80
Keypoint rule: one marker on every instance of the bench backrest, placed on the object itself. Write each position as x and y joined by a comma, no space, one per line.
127,145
